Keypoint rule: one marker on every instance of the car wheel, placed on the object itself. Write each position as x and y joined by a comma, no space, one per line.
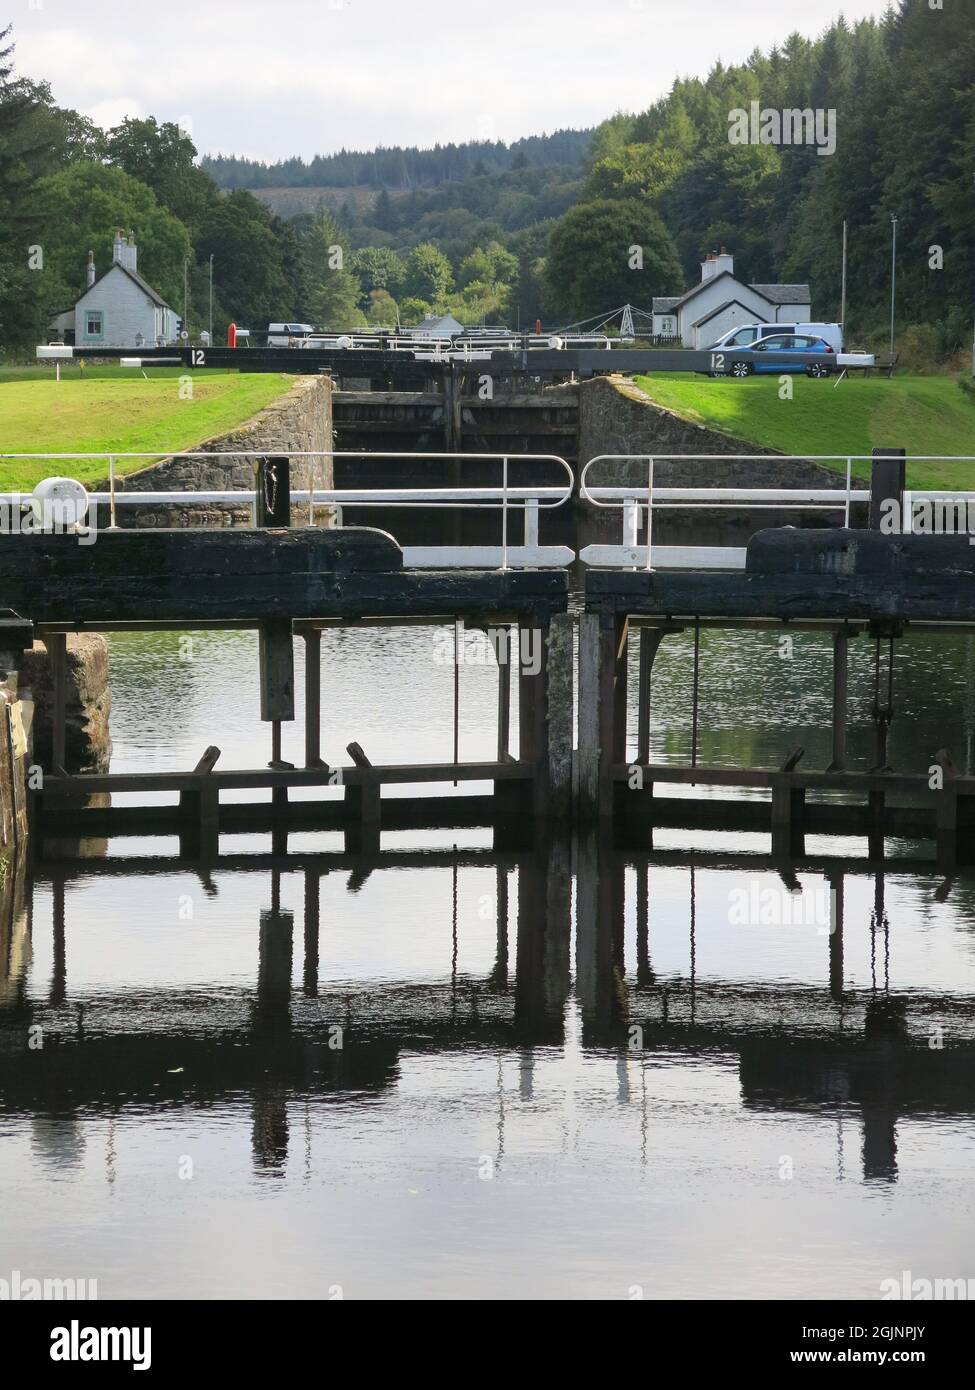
817,369
741,369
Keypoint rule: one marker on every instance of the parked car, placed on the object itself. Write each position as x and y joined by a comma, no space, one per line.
748,333
753,359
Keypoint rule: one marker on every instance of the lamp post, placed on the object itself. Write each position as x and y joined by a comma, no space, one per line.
843,285
893,276
211,296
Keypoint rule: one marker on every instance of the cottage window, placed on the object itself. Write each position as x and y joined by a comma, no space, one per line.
94,323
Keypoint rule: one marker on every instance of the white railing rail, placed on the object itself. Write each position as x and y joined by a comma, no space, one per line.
529,500
635,499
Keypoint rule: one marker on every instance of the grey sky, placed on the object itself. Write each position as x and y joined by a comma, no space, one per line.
304,76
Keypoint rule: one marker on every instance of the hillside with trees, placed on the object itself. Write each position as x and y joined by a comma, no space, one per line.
903,90
544,228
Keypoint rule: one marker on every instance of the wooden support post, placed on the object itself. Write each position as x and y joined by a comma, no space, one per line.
788,813
277,666
273,509
273,486
313,885
650,638
533,742
887,482
613,640
313,697
876,803
57,647
560,729
503,651
587,779
209,821
946,813
201,809
835,881
364,806
841,643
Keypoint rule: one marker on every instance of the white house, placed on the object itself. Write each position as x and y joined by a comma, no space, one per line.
436,326
699,317
118,309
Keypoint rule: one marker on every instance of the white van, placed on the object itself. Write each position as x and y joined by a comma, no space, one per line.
748,333
288,334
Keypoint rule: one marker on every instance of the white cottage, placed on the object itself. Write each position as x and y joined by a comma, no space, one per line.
699,317
437,326
119,309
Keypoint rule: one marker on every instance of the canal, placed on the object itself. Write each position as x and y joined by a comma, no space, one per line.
443,1074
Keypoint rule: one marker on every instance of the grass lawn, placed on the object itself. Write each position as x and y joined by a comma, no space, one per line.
924,415
111,410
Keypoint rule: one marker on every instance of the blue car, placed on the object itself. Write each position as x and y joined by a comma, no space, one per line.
752,359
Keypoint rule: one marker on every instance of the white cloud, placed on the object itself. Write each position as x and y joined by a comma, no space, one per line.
302,76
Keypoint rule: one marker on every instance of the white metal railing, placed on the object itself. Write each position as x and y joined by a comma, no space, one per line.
635,499
530,500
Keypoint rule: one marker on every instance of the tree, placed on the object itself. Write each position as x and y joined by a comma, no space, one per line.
608,253
490,264
163,158
21,288
428,274
379,268
82,206
382,310
333,290
248,269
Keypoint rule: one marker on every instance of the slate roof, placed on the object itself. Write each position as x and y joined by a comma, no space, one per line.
663,303
773,294
783,294
133,275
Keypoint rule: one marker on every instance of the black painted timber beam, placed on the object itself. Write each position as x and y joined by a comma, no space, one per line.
149,576
808,574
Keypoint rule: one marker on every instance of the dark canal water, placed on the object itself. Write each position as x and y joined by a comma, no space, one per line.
453,1074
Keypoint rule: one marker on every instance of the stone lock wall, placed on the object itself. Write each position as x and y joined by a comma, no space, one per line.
299,421
616,417
88,699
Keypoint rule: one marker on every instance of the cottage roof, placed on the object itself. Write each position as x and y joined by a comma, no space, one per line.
134,276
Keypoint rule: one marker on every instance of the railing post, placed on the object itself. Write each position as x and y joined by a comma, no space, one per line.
649,513
112,524
504,514
313,697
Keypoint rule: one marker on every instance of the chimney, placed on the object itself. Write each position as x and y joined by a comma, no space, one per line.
130,253
724,261
117,246
90,273
708,266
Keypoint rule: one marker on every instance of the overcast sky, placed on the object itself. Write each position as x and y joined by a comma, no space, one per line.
270,80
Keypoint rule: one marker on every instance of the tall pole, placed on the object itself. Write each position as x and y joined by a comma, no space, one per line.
893,276
843,285
186,295
211,298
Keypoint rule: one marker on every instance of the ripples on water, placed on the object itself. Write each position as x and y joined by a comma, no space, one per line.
534,1095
